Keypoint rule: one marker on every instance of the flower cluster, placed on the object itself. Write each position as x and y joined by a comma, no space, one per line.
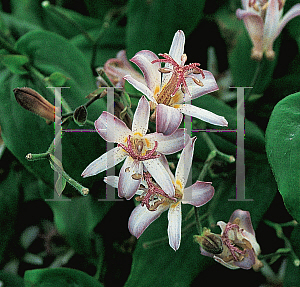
145,173
264,22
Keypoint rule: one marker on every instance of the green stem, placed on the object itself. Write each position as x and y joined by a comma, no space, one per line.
254,80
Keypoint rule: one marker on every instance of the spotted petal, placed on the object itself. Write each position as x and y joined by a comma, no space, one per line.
202,114
141,218
112,129
185,163
168,119
141,117
161,175
174,226
130,178
105,161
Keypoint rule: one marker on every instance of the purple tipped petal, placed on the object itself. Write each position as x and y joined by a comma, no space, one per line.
209,85
174,226
141,117
112,129
185,162
141,218
202,114
140,87
245,220
292,13
161,175
105,161
152,76
247,262
130,178
177,47
198,194
168,119
169,144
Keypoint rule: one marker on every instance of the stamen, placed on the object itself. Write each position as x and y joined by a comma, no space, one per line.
154,194
181,72
152,154
230,245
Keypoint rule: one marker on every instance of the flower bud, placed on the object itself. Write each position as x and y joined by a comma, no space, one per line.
210,242
32,101
80,115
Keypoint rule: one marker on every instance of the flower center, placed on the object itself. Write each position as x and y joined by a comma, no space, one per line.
238,249
137,149
261,6
177,80
154,195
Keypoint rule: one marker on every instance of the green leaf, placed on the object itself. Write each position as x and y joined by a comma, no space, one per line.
15,63
76,219
57,79
60,277
11,280
282,145
152,24
50,53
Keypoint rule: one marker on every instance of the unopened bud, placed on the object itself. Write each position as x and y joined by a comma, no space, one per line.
32,101
209,241
80,115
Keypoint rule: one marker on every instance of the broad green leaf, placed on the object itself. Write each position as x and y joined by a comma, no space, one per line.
57,79
75,219
282,145
67,23
152,24
11,280
292,273
15,63
60,277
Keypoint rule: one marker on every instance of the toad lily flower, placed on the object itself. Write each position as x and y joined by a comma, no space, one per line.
138,149
177,84
264,22
236,247
155,202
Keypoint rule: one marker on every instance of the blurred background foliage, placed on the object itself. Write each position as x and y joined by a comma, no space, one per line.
40,38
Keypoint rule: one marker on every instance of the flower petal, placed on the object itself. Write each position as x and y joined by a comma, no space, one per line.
141,87
198,194
141,218
247,262
105,161
185,163
165,163
177,47
112,129
141,117
271,24
169,144
196,91
161,176
130,178
168,119
112,180
245,220
118,67
292,13
152,76
174,226
255,27
202,114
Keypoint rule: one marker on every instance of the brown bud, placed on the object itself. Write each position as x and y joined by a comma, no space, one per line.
210,242
32,101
